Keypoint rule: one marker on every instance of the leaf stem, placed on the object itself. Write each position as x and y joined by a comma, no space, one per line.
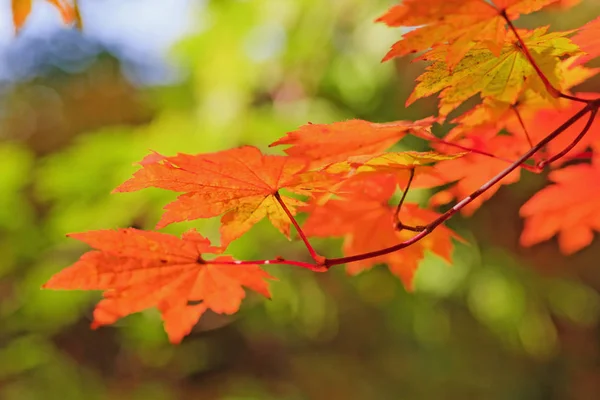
590,106
397,223
318,259
522,123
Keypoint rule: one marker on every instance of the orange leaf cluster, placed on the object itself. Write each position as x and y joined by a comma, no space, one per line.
351,182
139,269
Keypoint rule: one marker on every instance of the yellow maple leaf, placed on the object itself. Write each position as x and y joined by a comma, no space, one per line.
503,78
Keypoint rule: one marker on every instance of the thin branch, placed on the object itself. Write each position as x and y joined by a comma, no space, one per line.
588,125
397,223
404,193
583,156
591,106
278,260
318,259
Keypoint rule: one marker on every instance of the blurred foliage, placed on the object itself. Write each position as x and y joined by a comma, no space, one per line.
501,323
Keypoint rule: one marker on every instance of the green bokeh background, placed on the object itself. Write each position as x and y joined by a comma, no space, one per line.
501,323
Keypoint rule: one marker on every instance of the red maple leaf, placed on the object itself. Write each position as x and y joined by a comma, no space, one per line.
568,208
240,183
367,223
329,143
588,39
460,23
141,269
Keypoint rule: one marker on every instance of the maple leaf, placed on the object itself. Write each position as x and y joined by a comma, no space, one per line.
460,24
367,223
588,39
140,269
240,183
389,162
329,143
568,208
404,166
524,111
521,113
22,8
504,77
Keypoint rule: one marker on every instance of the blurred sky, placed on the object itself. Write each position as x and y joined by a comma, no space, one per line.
139,30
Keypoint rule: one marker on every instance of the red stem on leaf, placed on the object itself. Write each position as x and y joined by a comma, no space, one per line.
592,105
318,259
476,151
522,123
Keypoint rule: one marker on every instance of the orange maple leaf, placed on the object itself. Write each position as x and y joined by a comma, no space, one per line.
460,23
240,183
503,77
588,39
528,107
22,8
367,223
328,143
568,208
141,269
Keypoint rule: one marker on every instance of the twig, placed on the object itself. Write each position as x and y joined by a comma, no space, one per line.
397,223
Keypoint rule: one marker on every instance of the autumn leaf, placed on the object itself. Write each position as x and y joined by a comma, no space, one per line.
461,24
588,39
329,143
240,183
522,114
139,269
367,223
502,77
568,208
20,11
389,162
22,8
